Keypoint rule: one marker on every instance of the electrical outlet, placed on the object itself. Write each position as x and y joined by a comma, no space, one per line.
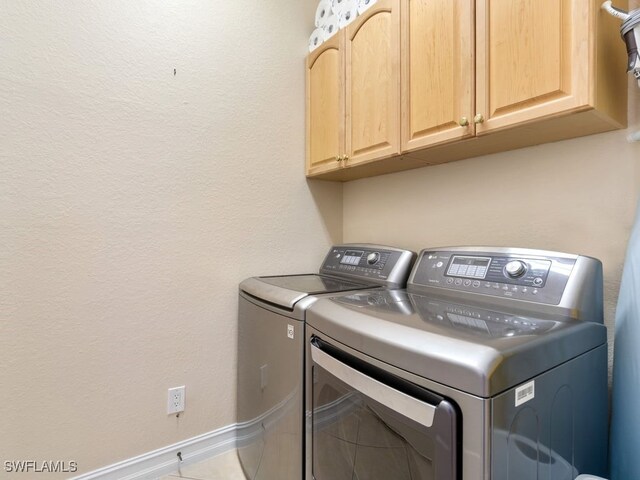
175,400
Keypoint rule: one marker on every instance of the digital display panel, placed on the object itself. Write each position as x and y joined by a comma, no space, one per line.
469,267
351,257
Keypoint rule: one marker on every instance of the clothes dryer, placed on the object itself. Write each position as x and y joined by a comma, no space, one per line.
491,365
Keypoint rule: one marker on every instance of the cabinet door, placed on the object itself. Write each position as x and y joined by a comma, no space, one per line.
532,60
372,52
325,106
438,71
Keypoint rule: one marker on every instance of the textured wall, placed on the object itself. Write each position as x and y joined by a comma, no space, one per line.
133,201
577,196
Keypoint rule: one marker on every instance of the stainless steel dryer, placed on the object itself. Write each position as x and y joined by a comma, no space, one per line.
492,365
271,351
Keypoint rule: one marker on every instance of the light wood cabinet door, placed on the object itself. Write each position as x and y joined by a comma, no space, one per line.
532,60
438,72
390,90
325,106
372,52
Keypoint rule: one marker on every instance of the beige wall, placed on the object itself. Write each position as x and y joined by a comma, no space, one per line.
577,196
133,201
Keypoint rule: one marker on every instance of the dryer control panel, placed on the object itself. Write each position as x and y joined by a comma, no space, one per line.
530,275
372,263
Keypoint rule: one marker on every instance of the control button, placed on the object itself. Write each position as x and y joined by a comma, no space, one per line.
515,268
476,284
524,290
439,264
537,281
496,286
506,287
535,291
458,281
449,281
372,258
467,283
337,255
487,285
515,289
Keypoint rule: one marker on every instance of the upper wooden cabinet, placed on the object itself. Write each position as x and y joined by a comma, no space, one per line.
353,93
431,81
532,60
437,72
325,107
372,84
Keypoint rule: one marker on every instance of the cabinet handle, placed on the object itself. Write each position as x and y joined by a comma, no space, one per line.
345,157
478,119
464,121
338,158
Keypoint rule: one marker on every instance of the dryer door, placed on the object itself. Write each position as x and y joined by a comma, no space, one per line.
369,423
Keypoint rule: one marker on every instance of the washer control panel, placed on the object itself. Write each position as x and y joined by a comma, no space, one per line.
518,275
526,272
369,262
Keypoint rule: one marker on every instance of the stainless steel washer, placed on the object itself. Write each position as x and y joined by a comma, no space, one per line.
271,333
492,364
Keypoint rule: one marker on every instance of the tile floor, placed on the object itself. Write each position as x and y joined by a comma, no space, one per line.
221,467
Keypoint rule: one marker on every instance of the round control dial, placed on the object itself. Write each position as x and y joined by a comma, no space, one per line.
373,258
515,268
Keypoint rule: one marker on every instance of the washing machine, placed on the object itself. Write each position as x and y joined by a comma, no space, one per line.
492,364
271,333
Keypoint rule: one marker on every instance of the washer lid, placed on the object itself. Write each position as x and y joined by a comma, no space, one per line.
470,348
286,290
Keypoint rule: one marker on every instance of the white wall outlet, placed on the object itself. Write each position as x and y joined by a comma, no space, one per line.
175,400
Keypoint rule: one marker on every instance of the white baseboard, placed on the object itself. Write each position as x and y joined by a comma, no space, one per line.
161,462
164,461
